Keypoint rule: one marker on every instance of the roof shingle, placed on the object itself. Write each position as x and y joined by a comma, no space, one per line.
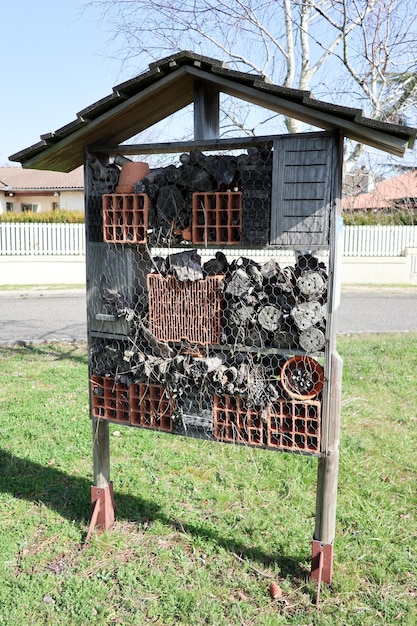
20,179
386,194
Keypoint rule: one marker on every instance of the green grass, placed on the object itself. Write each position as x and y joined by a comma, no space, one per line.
202,528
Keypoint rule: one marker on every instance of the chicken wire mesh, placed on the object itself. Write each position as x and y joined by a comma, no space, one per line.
197,326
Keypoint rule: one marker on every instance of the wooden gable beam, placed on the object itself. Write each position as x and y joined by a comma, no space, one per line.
206,111
322,119
154,103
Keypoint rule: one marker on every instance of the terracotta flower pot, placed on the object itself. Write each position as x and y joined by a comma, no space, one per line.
302,378
132,172
186,233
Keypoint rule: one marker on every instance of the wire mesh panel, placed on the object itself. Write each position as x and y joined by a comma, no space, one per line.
199,322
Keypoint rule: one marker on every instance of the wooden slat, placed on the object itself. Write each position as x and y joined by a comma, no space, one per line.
302,194
303,208
317,158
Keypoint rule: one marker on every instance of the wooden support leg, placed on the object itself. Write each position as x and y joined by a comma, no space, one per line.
327,478
103,512
321,562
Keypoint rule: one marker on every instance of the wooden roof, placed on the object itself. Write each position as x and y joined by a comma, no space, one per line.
169,85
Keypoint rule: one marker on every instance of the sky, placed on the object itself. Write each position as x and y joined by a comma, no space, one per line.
56,60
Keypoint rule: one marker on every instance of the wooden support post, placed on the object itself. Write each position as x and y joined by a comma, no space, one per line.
101,453
327,477
206,111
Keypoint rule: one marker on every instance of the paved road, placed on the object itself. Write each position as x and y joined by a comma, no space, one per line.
41,316
378,311
61,316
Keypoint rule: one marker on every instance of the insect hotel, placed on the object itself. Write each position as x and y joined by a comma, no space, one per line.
213,269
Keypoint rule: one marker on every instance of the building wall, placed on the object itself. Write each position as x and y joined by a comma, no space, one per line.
54,270
400,270
67,200
72,201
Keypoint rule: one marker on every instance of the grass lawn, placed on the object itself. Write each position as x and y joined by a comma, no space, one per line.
203,528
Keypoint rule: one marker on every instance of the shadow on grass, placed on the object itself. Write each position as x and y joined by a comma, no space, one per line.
69,496
59,350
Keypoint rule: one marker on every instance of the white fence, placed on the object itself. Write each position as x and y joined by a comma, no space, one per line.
378,240
69,239
41,239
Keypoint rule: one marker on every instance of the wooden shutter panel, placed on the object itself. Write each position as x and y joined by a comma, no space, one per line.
304,172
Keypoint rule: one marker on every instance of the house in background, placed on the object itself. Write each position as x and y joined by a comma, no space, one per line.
397,193
40,191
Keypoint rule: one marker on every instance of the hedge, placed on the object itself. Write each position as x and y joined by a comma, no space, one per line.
52,217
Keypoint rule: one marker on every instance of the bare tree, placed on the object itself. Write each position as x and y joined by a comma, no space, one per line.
379,56
359,52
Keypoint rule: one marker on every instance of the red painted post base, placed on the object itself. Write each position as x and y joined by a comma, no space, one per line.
322,562
103,512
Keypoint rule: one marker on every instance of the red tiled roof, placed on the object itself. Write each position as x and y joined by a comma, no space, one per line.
386,193
20,179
